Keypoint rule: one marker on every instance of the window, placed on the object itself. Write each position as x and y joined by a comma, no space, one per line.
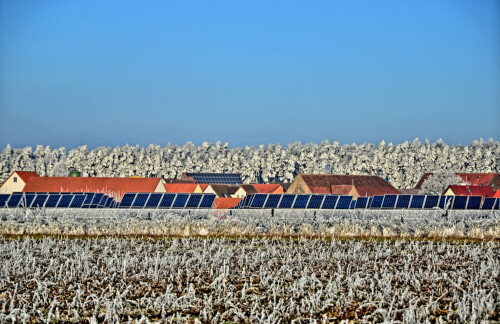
15,179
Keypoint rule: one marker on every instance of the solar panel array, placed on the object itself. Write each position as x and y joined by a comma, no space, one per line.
134,200
56,200
219,178
315,201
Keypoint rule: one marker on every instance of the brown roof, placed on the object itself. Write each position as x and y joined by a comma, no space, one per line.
409,191
180,187
249,189
366,185
222,190
341,189
116,187
475,179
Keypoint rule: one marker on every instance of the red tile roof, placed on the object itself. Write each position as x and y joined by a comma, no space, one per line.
475,179
24,175
365,185
268,188
115,187
225,203
497,194
484,191
180,187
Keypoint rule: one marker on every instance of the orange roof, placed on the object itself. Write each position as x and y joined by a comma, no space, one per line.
24,175
203,186
267,188
225,203
180,187
115,187
497,194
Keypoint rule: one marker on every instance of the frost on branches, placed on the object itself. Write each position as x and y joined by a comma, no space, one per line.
402,164
438,182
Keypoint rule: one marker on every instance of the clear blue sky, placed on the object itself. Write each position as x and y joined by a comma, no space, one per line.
248,72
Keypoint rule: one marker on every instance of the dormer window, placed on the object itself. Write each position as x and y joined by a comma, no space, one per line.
15,179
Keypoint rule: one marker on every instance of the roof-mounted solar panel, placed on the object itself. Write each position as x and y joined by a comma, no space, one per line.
220,178
445,202
301,201
330,202
344,202
403,201
207,201
127,200
361,202
258,200
431,202
474,202
315,201
272,201
417,201
377,202
389,201
488,203
77,201
460,202
180,200
287,201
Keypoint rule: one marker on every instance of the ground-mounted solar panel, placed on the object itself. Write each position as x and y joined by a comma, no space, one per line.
301,201
39,200
353,204
377,202
497,204
102,202
180,201
207,201
193,201
488,203
460,202
77,201
370,201
389,201
127,200
272,201
95,200
431,202
167,200
154,200
258,200
52,200
474,202
287,201
140,200
403,201
344,202
417,201
330,202
65,201
14,200
3,199
361,202
108,202
220,178
27,199
89,196
445,202
315,201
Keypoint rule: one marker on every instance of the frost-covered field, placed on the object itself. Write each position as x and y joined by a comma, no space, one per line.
434,224
254,280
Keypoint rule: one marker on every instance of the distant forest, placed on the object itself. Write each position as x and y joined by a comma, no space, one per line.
402,164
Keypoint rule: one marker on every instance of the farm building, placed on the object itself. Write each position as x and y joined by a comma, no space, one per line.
473,179
16,181
456,190
185,187
115,187
222,190
353,185
248,189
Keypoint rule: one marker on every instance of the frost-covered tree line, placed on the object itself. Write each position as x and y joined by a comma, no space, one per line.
402,164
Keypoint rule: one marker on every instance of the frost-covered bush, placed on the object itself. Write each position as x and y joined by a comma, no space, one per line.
437,183
402,164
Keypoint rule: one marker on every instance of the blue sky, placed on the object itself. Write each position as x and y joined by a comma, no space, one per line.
107,73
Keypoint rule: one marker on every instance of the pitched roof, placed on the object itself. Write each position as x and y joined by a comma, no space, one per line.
116,187
249,189
24,175
180,187
484,191
341,189
225,203
203,186
223,190
366,185
497,194
168,180
266,187
475,179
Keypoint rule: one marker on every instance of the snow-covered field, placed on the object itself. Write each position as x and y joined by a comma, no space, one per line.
435,224
257,280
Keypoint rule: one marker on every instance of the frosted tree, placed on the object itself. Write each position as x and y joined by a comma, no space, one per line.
436,183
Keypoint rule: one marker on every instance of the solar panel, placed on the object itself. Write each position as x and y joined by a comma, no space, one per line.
77,201
272,201
89,196
460,202
431,201
370,201
301,201
223,178
127,200
193,201
207,201
287,201
344,202
353,204
403,201
497,204
329,202
154,200
14,200
167,200
258,200
97,197
377,202
488,203
361,202
40,200
140,200
65,201
52,200
389,201
315,201
27,199
474,202
445,202
417,201
108,202
180,201
102,202
3,199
